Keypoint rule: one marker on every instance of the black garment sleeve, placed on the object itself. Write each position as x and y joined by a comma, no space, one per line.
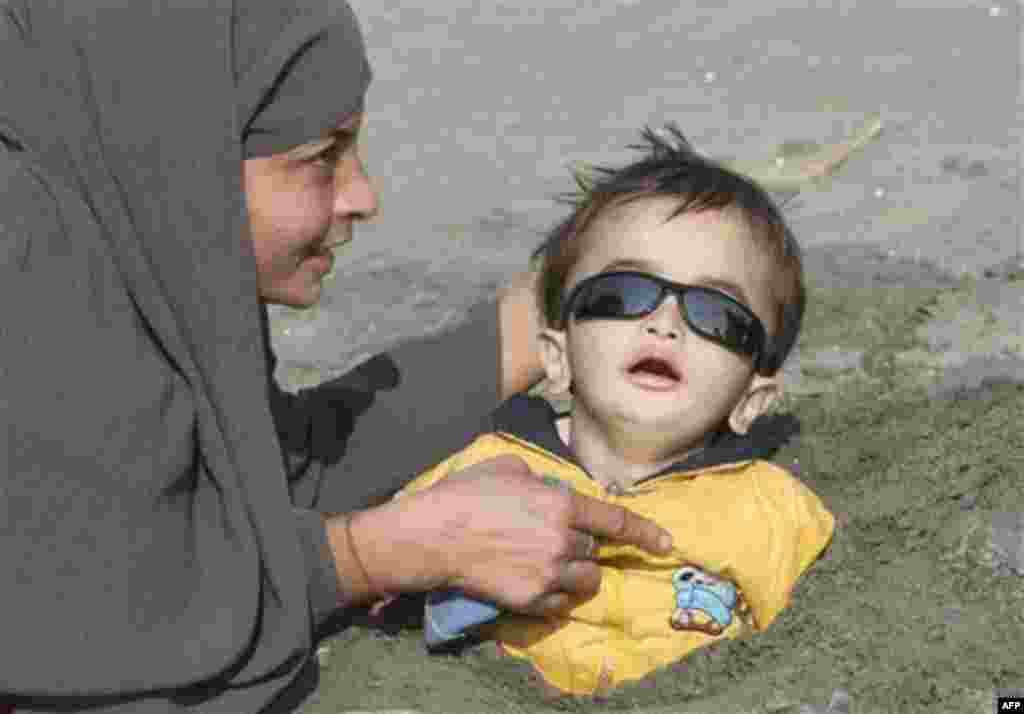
353,441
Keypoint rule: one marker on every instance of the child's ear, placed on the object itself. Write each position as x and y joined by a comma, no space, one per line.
555,359
763,392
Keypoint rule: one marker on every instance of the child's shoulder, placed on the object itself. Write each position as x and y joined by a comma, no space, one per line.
775,481
754,471
780,486
769,470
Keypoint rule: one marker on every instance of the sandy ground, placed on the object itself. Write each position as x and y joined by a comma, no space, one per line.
477,109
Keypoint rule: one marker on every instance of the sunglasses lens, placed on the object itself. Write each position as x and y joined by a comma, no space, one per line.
718,319
617,296
708,312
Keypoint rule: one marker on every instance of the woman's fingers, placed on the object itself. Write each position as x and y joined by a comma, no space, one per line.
527,546
584,545
549,605
595,517
579,577
578,580
613,522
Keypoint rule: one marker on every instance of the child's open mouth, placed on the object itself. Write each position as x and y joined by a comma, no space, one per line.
654,374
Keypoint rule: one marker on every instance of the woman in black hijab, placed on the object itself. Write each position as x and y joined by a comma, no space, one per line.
166,536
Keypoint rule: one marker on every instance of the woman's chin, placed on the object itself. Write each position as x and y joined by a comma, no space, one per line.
307,298
299,295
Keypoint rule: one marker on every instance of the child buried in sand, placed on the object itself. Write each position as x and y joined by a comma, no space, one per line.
674,294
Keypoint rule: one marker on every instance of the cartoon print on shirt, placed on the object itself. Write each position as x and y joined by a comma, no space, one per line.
697,590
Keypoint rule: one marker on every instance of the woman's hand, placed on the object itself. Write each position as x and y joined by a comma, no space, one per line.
496,531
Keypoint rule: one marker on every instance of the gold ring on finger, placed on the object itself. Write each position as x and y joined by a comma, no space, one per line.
591,546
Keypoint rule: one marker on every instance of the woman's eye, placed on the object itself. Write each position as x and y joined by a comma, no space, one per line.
329,156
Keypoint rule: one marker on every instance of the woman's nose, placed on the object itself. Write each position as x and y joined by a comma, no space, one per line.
356,197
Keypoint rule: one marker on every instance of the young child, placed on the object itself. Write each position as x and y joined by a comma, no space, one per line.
674,293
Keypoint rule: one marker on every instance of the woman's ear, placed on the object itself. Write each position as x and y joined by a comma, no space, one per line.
555,358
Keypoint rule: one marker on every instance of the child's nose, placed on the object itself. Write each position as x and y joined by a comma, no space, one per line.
667,319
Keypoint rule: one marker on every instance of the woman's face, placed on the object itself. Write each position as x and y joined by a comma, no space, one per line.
301,205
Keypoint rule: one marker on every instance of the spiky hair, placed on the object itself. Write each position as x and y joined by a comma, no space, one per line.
672,168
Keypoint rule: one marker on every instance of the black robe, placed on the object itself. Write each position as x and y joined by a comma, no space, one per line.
162,547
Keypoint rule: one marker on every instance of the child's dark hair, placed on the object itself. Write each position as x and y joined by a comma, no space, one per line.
675,170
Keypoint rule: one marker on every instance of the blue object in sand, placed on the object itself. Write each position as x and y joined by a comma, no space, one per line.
449,614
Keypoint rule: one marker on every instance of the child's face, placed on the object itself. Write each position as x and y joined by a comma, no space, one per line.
595,354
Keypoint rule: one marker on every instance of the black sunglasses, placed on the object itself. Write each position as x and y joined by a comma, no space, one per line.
710,313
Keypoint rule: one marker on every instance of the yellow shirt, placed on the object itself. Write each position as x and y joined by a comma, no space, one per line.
744,532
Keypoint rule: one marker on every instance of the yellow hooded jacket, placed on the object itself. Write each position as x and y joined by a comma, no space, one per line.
744,529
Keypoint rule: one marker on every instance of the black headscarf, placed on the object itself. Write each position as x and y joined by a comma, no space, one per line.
145,507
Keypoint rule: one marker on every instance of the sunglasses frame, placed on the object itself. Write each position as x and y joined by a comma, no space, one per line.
758,340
